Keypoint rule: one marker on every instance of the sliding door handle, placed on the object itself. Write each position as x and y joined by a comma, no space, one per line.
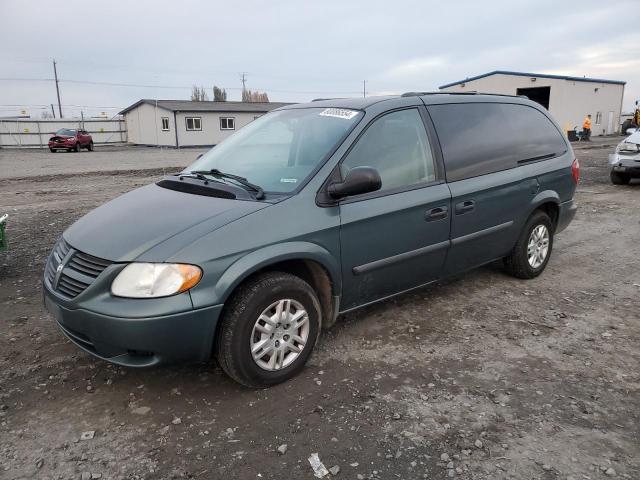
437,213
464,207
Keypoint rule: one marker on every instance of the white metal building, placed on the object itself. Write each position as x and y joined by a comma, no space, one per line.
183,123
568,99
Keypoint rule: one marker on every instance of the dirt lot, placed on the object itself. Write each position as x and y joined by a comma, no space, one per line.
480,377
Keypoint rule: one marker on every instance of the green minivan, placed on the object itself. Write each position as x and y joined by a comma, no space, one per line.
308,212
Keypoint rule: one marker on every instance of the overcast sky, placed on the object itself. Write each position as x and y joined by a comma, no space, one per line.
299,50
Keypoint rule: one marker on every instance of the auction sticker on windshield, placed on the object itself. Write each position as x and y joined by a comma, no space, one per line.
339,113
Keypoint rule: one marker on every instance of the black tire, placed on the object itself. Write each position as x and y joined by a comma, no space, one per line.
233,349
517,262
76,147
53,150
90,146
618,178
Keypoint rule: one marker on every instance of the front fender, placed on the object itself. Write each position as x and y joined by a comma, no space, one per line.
258,259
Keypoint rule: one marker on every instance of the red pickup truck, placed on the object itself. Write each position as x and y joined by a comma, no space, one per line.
71,140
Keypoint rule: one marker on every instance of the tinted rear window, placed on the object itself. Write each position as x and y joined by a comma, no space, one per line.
481,138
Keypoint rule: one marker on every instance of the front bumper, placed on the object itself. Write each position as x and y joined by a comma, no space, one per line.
632,170
566,212
629,164
62,144
138,342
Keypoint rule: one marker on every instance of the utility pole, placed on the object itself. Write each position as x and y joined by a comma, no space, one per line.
244,84
364,88
55,74
53,111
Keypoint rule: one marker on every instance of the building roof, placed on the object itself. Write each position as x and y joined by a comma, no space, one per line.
538,75
208,106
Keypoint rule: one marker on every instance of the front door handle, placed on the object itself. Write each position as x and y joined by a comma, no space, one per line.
437,213
464,207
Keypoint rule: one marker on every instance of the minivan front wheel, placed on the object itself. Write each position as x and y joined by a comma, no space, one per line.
531,253
269,328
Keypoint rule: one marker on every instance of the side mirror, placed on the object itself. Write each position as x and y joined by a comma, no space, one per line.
359,180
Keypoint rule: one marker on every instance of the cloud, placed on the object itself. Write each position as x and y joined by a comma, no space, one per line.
324,49
415,67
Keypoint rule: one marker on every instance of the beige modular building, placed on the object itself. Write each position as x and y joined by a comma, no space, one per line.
568,99
183,123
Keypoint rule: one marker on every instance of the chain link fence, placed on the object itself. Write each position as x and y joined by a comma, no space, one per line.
32,133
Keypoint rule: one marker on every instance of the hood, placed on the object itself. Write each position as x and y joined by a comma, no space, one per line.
633,138
126,227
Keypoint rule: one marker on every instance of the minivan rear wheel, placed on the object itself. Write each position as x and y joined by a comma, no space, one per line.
531,252
269,329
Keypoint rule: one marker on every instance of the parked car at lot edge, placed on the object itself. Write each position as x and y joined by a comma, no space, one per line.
71,140
311,211
625,162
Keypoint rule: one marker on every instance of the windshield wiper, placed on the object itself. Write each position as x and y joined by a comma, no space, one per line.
214,172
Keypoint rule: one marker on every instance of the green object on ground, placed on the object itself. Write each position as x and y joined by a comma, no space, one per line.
3,235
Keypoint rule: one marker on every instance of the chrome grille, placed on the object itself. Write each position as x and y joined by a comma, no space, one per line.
79,271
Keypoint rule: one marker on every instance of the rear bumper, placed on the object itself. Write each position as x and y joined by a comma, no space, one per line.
138,342
566,212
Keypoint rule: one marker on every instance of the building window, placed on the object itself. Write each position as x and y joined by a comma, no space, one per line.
165,124
227,123
193,123
598,118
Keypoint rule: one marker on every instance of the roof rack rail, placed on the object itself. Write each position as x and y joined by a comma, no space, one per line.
323,99
471,92
419,94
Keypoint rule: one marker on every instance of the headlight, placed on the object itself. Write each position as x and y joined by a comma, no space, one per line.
152,280
628,147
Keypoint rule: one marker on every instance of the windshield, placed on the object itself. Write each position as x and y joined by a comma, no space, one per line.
278,151
66,132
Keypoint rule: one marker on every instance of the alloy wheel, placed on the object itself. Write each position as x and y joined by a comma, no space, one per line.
538,246
279,334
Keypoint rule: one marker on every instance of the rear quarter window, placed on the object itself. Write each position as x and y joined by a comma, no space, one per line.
482,138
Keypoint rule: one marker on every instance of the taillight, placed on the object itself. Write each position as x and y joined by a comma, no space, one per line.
575,170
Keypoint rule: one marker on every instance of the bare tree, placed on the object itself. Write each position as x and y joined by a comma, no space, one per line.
249,96
219,94
198,94
46,114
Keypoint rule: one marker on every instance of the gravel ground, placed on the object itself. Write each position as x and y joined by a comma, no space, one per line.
103,160
479,377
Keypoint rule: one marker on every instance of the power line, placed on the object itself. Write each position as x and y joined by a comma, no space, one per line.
46,105
164,70
27,79
175,87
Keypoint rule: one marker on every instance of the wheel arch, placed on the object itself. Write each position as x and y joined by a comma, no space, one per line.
309,261
547,201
